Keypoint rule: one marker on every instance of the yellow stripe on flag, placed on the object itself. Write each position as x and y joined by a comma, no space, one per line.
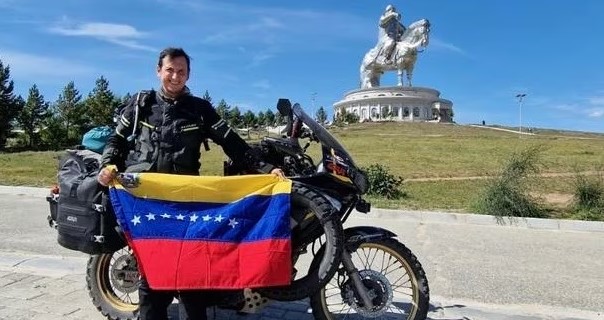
216,189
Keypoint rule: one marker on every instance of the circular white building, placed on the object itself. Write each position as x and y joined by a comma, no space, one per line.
396,103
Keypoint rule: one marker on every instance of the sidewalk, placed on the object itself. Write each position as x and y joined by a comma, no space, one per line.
38,287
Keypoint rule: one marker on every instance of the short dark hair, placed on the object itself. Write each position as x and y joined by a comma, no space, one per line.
174,53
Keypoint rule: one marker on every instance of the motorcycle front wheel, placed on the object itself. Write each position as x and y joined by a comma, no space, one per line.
112,281
395,281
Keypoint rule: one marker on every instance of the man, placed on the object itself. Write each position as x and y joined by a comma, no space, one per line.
165,135
392,30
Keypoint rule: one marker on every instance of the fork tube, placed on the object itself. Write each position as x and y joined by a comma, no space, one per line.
353,273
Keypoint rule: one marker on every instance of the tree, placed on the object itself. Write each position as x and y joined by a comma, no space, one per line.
33,115
321,115
260,119
223,109
9,106
126,98
345,117
234,118
269,118
101,104
249,118
206,96
70,110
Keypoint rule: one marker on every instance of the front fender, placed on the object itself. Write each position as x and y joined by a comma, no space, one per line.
354,236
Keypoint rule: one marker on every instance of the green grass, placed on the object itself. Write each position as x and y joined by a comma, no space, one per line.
410,150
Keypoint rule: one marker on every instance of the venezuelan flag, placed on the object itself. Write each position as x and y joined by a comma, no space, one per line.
191,232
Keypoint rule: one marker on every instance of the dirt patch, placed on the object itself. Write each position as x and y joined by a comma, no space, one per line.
557,199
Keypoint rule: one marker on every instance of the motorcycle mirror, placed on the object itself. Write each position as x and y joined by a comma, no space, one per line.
284,106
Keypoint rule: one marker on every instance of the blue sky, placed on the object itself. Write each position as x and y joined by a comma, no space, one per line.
481,53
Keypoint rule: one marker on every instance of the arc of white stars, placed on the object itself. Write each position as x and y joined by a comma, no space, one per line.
233,223
136,220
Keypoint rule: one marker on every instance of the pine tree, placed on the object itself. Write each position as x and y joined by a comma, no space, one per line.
261,119
235,118
101,104
9,106
269,118
126,98
70,110
321,115
223,109
249,119
206,96
32,118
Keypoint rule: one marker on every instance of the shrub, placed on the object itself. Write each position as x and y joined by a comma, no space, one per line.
383,183
589,197
507,195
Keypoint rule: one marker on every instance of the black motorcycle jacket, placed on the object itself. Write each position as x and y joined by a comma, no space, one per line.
167,134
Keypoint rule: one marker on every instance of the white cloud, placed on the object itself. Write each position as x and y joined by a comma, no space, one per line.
440,44
598,101
120,34
27,65
595,113
262,84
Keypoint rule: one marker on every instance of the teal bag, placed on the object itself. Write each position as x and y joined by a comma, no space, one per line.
96,138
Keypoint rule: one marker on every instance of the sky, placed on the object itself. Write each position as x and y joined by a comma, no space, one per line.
250,53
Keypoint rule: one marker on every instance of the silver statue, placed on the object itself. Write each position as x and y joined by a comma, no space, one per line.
396,49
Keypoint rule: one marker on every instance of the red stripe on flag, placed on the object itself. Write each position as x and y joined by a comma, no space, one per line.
173,264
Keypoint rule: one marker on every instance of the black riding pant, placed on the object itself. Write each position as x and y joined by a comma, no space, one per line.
153,304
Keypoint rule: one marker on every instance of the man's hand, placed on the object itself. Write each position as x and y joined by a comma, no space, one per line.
106,175
279,173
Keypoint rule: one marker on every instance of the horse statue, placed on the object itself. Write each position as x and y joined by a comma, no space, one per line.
415,37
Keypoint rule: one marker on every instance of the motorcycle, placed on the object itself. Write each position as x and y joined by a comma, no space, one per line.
361,272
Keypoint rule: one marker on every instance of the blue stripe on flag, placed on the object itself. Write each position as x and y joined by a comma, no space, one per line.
256,217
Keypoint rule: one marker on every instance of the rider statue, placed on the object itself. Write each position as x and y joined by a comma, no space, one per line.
391,30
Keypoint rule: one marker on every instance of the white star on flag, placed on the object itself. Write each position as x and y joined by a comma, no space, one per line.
136,220
165,216
207,218
180,217
150,216
219,218
233,223
194,218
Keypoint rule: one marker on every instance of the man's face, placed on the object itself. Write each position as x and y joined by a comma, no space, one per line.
173,75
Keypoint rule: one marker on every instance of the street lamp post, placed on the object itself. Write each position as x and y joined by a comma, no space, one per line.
520,98
313,98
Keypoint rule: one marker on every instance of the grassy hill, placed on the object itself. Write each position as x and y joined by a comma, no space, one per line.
421,153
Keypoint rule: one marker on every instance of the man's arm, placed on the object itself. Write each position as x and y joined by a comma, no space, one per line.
115,149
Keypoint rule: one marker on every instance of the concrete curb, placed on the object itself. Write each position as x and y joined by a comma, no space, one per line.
478,219
418,216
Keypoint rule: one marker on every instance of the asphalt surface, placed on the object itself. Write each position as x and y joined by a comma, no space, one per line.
477,268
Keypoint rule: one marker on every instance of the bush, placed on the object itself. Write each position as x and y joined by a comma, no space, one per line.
383,183
589,197
507,196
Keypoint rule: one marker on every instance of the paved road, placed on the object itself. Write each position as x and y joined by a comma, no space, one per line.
536,269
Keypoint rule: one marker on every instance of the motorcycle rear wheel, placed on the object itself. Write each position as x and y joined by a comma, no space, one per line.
395,279
112,280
